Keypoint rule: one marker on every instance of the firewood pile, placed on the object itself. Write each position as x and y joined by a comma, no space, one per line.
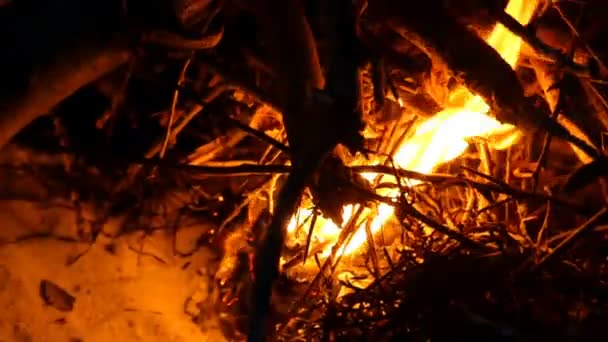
374,169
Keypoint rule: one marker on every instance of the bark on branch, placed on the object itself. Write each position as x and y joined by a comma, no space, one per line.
293,49
449,43
56,79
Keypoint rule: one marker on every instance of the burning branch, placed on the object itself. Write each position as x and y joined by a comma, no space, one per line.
544,50
494,80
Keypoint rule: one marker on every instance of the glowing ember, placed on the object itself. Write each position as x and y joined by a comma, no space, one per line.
436,141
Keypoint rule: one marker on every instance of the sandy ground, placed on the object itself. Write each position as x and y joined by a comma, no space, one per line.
119,296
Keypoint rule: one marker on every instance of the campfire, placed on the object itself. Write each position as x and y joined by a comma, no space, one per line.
436,141
370,169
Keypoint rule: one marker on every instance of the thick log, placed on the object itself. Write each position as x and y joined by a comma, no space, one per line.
57,78
472,62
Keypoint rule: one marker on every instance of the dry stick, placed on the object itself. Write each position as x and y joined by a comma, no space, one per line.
269,184
172,40
554,98
221,171
560,236
344,238
175,41
413,212
541,48
544,227
597,101
595,95
182,76
117,97
503,188
389,170
59,77
260,135
554,36
210,150
273,185
217,91
572,28
238,83
507,180
256,169
313,222
232,82
562,39
156,148
268,151
372,250
547,79
253,132
567,243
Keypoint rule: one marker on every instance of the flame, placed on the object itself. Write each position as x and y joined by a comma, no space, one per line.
438,140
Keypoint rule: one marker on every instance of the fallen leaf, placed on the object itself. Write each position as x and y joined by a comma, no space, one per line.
55,296
60,321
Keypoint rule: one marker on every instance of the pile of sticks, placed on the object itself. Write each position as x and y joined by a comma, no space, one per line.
305,93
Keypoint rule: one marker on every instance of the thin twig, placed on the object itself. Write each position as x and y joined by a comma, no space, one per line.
498,187
313,223
211,95
182,76
567,243
260,135
255,133
175,41
237,82
413,212
575,32
221,171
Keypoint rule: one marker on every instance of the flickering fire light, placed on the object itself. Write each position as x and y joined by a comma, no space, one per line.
436,141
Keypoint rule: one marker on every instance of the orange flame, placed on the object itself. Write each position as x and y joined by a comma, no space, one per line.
438,140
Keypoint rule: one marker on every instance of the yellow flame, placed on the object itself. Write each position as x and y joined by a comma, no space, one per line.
438,140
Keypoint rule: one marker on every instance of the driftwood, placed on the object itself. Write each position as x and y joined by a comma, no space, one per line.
56,79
